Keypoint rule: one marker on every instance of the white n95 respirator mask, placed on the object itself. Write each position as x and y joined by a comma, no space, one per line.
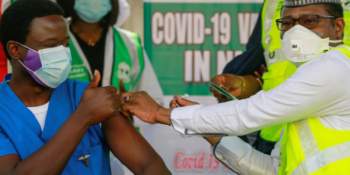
300,44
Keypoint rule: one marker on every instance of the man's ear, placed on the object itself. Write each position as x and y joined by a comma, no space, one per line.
13,49
339,25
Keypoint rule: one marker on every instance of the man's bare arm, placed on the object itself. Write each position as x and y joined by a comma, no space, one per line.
131,148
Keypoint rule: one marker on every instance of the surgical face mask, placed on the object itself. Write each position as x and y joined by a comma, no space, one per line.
92,11
300,44
49,67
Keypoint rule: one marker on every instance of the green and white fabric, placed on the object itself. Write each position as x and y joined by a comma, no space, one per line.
124,60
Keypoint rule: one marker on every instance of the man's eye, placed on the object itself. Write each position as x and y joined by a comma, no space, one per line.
310,21
66,45
286,23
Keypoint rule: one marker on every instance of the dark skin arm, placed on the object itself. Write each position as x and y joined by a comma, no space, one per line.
96,105
126,143
131,148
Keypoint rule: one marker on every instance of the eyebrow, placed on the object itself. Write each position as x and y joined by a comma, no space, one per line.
303,14
54,39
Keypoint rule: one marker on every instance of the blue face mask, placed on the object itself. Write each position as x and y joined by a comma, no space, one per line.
49,67
92,11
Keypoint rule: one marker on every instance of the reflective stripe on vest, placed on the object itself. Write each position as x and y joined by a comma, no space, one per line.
276,75
304,153
308,147
127,55
270,34
133,43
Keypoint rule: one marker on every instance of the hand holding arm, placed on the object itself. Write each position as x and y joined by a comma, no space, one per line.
145,108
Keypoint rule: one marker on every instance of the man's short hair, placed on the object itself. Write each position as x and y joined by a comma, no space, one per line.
16,20
109,20
334,10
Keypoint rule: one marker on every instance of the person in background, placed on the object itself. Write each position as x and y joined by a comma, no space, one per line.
5,66
313,102
116,53
267,52
123,14
50,124
242,76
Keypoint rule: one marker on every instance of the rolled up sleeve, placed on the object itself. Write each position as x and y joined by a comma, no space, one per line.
6,145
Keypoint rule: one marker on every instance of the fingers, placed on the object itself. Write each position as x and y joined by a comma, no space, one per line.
94,82
126,107
115,97
126,94
218,79
181,102
111,89
172,104
121,87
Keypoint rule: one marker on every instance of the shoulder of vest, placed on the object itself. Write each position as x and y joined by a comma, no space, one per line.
126,32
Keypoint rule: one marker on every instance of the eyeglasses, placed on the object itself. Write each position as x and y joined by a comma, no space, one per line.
308,21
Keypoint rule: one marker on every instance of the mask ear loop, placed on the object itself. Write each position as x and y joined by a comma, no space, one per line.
25,66
335,41
26,47
21,61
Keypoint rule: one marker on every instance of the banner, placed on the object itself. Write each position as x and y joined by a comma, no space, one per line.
189,42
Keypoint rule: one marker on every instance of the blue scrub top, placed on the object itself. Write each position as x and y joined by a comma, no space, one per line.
20,132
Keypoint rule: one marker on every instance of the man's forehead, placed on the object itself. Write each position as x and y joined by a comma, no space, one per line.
296,12
48,27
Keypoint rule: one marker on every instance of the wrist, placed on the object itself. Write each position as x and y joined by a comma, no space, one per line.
248,86
241,94
81,118
163,116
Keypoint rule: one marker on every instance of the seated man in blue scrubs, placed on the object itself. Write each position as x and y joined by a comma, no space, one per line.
51,125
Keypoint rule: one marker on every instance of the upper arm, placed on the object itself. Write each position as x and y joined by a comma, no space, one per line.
128,145
8,163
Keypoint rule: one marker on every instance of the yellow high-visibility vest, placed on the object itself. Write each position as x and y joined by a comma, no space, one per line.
278,67
308,147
